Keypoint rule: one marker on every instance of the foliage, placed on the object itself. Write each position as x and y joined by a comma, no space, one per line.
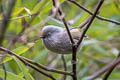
100,49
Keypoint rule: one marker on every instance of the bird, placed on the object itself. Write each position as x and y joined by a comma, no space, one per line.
56,39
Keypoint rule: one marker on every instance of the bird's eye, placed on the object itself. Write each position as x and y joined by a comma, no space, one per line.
48,34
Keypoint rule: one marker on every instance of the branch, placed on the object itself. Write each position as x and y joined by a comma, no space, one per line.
37,64
27,63
46,68
5,72
90,22
99,17
84,23
56,5
19,17
110,71
65,65
104,69
74,49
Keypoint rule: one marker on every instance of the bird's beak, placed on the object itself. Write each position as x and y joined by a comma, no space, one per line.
42,37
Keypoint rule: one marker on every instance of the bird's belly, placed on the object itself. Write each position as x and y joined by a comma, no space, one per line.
63,47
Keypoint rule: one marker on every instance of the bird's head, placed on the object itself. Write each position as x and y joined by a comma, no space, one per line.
49,30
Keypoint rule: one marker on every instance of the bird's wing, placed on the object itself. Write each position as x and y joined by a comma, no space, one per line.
75,32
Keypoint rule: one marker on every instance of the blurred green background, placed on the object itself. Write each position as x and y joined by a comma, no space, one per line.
102,47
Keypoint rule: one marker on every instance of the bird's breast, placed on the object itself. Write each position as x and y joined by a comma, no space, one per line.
58,44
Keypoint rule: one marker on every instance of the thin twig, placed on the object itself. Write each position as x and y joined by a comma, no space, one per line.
5,76
99,17
73,46
56,2
94,59
84,23
71,39
46,68
90,22
110,71
19,17
88,25
66,25
65,65
27,63
56,5
42,66
104,69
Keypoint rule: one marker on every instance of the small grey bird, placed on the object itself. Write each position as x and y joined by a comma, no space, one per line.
56,38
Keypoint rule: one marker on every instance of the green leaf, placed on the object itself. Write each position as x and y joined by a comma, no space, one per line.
41,57
22,67
55,22
80,18
19,50
10,76
44,6
40,5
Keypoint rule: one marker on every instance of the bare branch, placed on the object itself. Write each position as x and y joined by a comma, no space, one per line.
99,17
5,72
90,22
27,63
40,65
65,65
55,3
104,69
46,68
110,71
84,23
